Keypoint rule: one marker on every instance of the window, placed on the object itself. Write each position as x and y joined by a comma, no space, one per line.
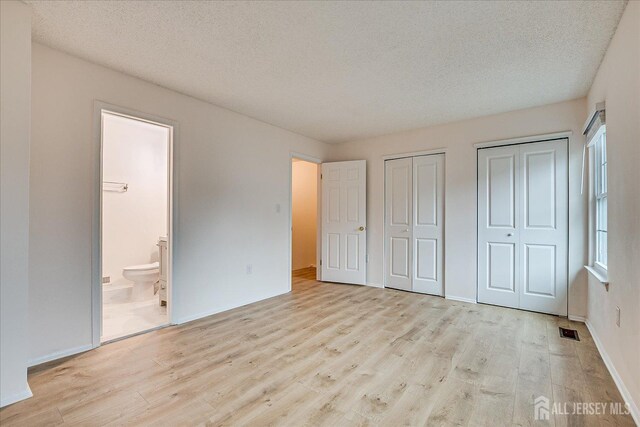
599,145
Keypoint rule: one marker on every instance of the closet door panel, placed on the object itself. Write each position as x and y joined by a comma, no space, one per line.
543,225
398,223
426,259
498,212
428,230
400,255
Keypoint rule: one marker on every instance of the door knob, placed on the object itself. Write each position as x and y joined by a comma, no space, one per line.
406,230
509,234
361,228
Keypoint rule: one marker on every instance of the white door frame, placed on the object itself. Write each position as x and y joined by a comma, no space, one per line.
386,157
310,159
96,237
527,140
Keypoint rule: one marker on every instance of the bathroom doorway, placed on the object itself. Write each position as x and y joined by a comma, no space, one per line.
135,225
305,178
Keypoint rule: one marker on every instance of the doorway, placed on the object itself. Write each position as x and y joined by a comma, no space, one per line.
304,221
135,225
523,214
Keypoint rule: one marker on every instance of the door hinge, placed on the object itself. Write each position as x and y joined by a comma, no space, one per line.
320,176
320,262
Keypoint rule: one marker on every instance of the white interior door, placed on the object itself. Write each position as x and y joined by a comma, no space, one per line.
523,226
398,223
414,224
428,227
344,222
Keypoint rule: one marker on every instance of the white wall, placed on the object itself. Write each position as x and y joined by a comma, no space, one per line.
460,188
15,107
135,153
304,212
618,84
231,173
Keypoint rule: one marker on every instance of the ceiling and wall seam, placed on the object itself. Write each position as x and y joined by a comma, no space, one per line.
343,71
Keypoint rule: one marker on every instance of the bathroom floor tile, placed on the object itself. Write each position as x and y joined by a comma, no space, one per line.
126,318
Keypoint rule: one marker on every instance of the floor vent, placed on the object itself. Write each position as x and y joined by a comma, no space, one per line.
571,334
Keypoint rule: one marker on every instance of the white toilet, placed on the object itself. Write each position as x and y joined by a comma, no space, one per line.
143,277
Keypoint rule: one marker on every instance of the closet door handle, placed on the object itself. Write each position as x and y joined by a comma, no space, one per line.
509,234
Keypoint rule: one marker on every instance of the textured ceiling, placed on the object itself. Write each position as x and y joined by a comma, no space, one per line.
337,71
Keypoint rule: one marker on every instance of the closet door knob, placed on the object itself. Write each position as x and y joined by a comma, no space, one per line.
509,234
361,228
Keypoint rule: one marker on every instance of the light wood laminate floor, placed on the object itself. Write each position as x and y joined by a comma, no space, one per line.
329,354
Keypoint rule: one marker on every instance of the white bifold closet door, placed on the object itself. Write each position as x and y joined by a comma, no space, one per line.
523,226
414,224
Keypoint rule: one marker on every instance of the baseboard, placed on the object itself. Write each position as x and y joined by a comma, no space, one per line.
633,408
192,317
577,318
16,397
460,299
83,348
294,270
374,285
59,355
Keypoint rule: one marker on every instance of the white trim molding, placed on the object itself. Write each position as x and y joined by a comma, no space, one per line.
216,310
580,319
524,139
305,157
598,275
460,299
624,391
59,355
414,154
16,397
100,107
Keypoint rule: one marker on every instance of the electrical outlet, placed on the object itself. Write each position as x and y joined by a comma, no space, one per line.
106,279
618,316
249,269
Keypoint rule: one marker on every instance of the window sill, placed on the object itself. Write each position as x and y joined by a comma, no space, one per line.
602,278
